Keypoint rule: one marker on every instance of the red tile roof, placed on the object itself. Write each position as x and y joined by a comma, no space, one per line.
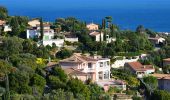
2,22
94,33
168,59
51,64
71,71
162,76
137,66
77,58
45,25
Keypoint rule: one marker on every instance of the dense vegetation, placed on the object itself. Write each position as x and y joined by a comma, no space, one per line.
127,76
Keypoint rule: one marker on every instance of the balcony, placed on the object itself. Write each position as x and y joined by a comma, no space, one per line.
91,70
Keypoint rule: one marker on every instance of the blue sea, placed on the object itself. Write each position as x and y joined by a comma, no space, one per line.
153,14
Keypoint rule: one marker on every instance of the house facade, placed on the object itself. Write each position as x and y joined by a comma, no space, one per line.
163,81
48,38
139,69
4,26
7,28
157,40
85,67
98,36
58,42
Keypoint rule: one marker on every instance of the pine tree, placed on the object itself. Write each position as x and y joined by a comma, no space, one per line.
15,26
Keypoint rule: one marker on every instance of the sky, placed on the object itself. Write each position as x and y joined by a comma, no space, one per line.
88,4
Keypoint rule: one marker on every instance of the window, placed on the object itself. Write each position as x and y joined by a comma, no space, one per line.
100,75
108,63
106,75
89,65
105,64
89,76
101,64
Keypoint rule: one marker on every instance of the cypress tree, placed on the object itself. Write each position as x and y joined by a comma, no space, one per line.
41,29
103,23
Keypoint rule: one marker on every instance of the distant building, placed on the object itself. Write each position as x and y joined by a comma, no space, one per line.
58,42
139,69
7,28
98,36
2,22
166,62
45,25
92,27
157,40
35,31
48,33
34,22
48,38
70,38
31,33
85,67
163,81
119,63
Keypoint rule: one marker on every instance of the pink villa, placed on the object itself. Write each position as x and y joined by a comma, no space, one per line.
86,67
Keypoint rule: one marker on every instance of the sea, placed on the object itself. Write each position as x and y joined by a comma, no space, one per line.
126,18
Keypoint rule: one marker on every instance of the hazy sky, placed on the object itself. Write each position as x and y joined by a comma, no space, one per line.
65,4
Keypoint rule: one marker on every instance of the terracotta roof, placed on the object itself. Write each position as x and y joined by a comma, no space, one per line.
71,71
92,24
77,58
162,76
2,22
137,66
148,66
45,25
33,20
155,38
168,59
51,64
94,33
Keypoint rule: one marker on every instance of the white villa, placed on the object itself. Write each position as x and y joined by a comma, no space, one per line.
59,42
48,38
7,28
85,68
157,40
98,36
